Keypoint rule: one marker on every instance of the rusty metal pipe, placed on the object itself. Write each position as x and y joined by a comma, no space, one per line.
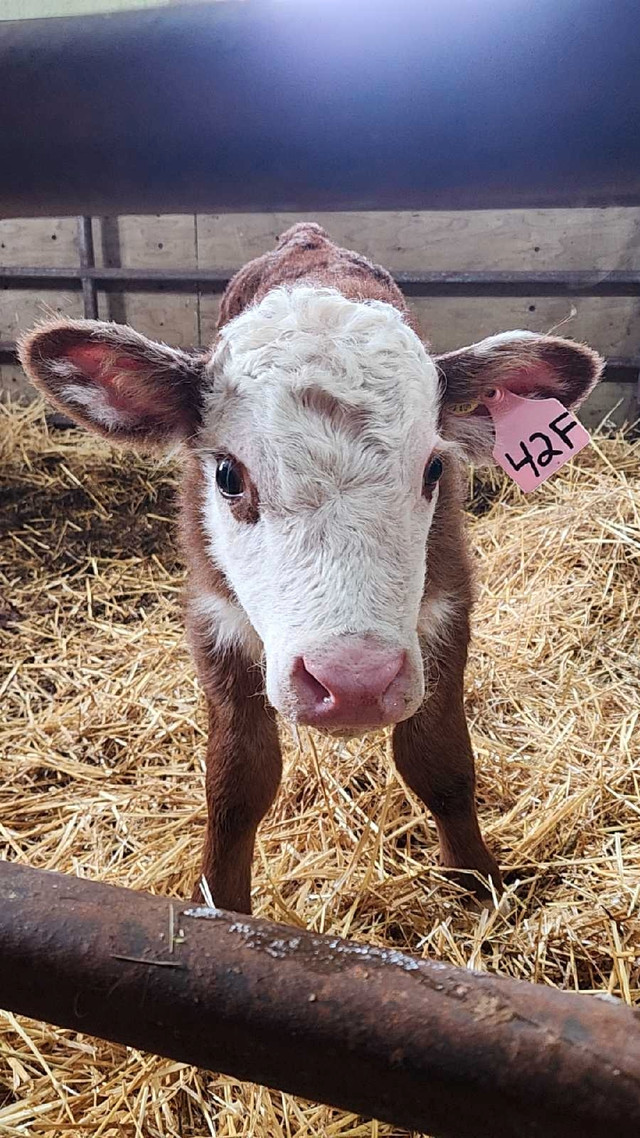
416,1043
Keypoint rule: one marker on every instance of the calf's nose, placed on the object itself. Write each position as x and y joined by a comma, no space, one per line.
353,681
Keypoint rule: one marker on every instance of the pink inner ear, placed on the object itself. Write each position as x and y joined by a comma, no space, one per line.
97,361
528,379
533,378
88,358
121,376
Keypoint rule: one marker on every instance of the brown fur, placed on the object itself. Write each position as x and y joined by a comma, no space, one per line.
432,750
433,754
244,768
204,576
305,254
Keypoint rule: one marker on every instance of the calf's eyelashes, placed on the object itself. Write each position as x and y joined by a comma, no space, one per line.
237,489
229,478
433,472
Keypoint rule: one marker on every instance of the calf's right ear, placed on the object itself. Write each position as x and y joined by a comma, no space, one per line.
115,381
525,363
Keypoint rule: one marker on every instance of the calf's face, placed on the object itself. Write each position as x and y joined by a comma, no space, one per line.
323,430
322,456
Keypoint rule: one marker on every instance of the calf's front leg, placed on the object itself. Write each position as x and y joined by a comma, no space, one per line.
433,754
244,768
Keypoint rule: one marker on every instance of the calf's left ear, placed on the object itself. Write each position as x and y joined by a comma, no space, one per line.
522,362
115,381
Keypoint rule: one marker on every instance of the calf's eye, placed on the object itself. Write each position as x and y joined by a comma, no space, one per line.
229,478
432,472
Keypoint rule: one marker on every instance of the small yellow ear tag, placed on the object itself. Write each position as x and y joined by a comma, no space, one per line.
463,408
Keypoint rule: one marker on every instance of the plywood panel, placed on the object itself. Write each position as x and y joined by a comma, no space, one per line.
611,404
488,239
20,309
157,242
500,239
611,324
14,384
503,240
170,317
209,308
38,241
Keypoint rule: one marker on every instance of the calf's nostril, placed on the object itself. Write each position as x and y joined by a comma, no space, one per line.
316,690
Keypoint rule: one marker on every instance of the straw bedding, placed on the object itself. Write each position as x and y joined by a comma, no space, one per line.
102,743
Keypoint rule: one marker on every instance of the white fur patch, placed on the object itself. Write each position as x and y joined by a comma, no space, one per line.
227,624
97,404
436,616
63,369
332,407
472,438
486,347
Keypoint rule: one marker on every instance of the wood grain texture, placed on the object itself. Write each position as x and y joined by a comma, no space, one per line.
434,240
21,308
46,241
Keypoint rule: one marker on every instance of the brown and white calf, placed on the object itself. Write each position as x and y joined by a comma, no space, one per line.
321,518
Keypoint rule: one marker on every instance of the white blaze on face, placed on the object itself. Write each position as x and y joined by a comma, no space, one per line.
331,405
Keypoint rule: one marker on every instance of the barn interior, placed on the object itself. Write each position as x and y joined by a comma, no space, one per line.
103,729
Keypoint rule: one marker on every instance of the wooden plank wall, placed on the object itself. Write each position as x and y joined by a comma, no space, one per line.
510,239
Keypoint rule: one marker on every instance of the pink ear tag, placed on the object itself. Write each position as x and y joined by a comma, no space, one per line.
534,437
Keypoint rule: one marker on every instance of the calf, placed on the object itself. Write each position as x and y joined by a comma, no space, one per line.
321,516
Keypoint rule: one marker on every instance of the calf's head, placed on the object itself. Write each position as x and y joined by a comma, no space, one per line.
327,444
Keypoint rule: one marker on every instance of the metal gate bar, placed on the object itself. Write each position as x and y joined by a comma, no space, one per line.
417,1043
417,284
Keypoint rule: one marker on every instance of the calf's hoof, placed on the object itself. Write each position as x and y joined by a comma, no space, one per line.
482,883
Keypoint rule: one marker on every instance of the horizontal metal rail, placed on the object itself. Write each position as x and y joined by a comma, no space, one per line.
415,284
417,1043
451,104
